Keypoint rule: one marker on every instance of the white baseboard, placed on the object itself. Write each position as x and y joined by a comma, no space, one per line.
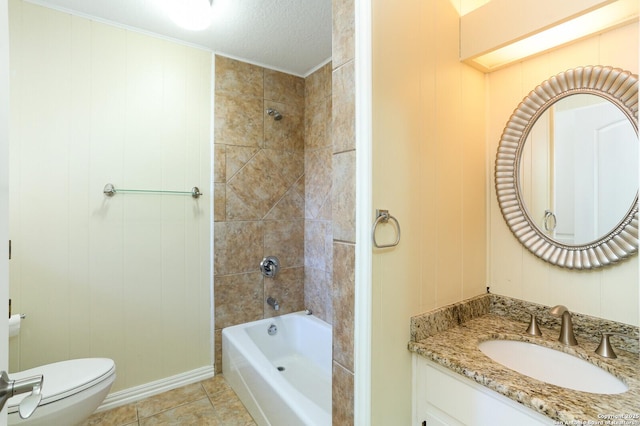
134,394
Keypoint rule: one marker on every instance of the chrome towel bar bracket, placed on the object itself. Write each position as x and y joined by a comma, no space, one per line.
111,190
383,216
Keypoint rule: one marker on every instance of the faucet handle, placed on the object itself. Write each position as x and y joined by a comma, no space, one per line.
605,349
534,328
270,266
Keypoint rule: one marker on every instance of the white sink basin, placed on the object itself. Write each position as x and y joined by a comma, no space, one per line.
552,366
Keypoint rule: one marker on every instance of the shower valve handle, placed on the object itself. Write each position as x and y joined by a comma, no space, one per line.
270,266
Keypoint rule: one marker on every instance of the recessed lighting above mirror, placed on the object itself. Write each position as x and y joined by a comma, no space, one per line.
520,30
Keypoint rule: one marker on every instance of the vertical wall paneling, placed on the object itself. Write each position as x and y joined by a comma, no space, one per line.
79,188
108,112
42,245
448,230
125,277
396,139
4,178
429,163
474,160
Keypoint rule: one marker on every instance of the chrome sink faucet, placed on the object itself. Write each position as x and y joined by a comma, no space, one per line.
566,329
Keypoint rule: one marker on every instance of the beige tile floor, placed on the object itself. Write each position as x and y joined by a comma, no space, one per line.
210,402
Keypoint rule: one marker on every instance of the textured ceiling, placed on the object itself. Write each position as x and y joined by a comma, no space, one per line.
293,36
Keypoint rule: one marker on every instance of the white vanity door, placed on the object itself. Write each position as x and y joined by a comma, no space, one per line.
443,398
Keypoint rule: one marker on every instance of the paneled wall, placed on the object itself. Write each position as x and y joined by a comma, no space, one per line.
4,170
259,193
124,277
429,170
612,292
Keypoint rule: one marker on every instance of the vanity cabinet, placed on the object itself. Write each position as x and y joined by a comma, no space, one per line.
444,398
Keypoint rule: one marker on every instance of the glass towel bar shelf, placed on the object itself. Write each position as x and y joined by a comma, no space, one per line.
111,190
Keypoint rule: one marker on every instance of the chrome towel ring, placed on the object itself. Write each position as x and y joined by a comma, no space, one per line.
383,216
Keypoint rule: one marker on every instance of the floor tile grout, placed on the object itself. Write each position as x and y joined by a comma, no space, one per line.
227,409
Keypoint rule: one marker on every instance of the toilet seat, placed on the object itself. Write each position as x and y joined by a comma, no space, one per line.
64,379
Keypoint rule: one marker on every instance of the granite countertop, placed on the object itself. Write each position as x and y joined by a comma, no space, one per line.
456,347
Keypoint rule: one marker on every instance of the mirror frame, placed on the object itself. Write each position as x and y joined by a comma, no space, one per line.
617,86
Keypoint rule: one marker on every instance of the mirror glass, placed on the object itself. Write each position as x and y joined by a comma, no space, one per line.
578,169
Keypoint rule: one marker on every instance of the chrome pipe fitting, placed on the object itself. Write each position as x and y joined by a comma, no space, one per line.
273,303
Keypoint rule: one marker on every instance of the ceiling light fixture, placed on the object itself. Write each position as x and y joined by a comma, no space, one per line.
516,34
193,15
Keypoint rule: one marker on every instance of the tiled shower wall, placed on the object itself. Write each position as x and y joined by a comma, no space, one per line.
309,221
343,208
318,247
260,188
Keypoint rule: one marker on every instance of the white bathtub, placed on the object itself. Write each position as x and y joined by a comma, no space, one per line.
282,379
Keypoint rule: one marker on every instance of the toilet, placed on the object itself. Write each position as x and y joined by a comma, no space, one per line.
71,392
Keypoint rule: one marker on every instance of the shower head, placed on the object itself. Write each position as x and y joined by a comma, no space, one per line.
275,114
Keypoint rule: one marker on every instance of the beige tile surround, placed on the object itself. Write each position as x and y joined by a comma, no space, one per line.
318,238
343,208
259,195
273,184
320,194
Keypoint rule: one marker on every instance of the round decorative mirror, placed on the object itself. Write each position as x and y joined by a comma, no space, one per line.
567,168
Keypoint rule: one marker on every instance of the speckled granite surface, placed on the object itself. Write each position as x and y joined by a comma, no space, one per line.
450,336
587,327
449,316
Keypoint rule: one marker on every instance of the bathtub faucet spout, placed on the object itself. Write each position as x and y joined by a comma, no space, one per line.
273,303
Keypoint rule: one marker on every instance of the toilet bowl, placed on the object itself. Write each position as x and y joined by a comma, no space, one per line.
71,392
